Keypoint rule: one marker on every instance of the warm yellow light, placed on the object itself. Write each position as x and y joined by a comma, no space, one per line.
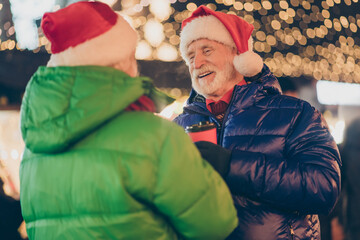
11,30
238,6
306,5
229,2
191,6
344,22
248,7
342,40
257,6
174,40
4,45
337,25
143,50
160,8
136,23
271,40
11,145
168,27
295,3
330,3
169,33
267,48
350,41
283,4
296,33
138,8
267,5
291,12
260,35
289,40
325,13
334,77
353,27
302,40
324,5
43,41
317,75
259,46
145,3
324,30
153,32
275,24
167,52
249,18
211,6
319,32
283,15
11,45
263,11
328,23
174,109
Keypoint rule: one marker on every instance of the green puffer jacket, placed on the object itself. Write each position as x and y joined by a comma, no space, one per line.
91,170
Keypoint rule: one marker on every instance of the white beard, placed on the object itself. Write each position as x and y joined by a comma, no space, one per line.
223,81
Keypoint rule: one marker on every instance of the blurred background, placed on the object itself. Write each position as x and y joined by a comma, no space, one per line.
312,46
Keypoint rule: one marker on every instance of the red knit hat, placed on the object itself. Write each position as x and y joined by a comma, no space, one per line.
88,33
224,28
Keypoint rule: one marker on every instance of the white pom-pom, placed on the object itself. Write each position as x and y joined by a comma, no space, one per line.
248,63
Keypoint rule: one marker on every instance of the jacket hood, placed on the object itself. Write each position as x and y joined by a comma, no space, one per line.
61,105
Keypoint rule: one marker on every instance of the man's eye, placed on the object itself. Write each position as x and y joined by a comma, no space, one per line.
207,51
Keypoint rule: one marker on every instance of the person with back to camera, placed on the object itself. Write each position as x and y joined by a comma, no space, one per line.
10,215
98,164
350,153
282,162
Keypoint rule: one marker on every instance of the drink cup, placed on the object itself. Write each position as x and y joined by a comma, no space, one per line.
202,131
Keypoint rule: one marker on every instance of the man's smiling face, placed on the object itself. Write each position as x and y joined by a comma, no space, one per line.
211,68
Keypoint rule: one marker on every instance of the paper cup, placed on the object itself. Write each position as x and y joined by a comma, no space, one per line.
203,131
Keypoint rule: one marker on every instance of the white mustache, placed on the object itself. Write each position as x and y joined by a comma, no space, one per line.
202,70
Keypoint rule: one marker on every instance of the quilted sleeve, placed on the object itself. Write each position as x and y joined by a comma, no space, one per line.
306,179
190,193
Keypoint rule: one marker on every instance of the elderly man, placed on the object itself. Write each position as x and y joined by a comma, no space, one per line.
283,163
98,163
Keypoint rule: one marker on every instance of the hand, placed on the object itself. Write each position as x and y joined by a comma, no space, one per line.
216,155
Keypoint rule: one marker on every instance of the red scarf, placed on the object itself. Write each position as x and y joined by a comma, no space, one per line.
218,108
144,103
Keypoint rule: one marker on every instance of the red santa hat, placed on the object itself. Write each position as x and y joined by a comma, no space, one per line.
88,33
224,28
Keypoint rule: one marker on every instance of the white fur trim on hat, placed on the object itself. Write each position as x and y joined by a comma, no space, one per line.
109,48
208,27
248,63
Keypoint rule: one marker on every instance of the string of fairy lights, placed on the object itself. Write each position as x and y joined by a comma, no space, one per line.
295,37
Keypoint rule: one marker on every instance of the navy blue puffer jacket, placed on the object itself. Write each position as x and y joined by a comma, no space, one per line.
284,163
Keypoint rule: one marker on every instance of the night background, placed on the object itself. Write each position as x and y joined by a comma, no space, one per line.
313,47
300,39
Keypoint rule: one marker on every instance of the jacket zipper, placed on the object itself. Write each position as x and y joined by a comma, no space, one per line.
292,233
221,136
